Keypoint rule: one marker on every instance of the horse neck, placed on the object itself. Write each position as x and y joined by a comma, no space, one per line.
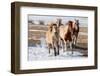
66,29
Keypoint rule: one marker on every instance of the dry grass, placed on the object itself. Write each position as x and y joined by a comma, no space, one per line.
84,29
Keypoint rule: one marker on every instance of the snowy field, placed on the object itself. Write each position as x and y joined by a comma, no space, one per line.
40,52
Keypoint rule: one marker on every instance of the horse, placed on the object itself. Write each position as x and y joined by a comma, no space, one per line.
75,29
52,38
65,33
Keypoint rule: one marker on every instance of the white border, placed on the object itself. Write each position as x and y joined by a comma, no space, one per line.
24,64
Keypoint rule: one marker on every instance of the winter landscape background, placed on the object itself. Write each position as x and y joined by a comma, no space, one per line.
37,48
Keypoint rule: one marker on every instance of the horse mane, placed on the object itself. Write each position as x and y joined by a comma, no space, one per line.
50,26
70,23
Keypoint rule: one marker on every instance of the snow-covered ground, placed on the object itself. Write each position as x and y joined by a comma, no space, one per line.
40,52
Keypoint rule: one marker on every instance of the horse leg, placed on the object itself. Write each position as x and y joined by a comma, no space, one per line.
60,43
71,46
58,48
65,46
54,51
75,41
49,48
76,38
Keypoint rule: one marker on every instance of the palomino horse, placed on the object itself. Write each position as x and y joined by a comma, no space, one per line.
65,33
75,28
52,38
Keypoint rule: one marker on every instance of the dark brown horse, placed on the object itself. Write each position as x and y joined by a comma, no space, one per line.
75,30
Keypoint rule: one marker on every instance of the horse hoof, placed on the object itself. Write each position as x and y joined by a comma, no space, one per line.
58,53
55,55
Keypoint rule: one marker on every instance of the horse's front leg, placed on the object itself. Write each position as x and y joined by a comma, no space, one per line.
75,41
58,49
55,48
65,46
71,46
49,48
55,51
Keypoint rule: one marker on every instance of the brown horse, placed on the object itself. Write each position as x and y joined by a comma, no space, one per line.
52,38
75,28
65,33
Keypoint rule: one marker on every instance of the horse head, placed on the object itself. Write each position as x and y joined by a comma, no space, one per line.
77,22
70,25
54,28
59,22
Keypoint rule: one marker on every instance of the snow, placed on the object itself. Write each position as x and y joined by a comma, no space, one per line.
41,52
